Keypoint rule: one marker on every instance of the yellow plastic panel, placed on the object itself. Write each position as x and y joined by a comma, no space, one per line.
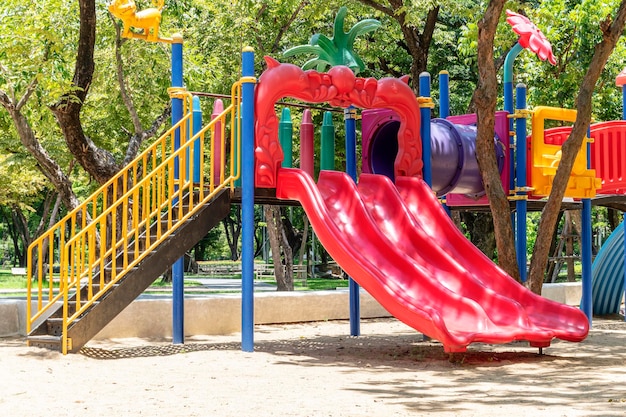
546,157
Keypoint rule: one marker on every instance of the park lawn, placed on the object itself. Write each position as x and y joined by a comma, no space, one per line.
10,281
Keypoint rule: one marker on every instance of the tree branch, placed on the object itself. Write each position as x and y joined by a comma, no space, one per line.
288,24
29,91
119,68
138,138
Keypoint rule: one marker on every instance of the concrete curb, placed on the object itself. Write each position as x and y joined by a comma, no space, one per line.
221,313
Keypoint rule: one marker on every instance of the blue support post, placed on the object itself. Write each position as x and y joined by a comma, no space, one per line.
197,146
444,105
424,86
247,201
178,277
509,103
586,304
587,301
444,94
349,116
521,204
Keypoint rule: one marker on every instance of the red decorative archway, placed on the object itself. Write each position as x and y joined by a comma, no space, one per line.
338,87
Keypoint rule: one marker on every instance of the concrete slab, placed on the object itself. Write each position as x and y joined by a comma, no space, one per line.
206,314
9,318
569,293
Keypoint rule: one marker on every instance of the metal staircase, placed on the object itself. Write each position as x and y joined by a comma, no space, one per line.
124,236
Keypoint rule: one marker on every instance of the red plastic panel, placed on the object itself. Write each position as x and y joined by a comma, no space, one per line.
339,87
608,155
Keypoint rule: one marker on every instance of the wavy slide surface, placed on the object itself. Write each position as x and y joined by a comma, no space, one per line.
403,249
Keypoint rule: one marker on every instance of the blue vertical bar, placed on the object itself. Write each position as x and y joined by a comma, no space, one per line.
509,103
197,145
247,201
587,301
521,204
586,304
178,278
624,102
349,116
444,105
424,86
509,107
444,94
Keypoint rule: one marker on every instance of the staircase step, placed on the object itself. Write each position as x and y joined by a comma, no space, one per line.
46,342
55,327
108,272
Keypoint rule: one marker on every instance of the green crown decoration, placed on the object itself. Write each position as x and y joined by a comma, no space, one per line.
337,50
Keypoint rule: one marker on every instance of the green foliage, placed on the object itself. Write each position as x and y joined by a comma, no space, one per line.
573,29
38,41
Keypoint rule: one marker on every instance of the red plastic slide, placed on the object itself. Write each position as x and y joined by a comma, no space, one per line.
406,264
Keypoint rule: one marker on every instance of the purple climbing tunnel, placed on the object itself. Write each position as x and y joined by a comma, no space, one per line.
453,151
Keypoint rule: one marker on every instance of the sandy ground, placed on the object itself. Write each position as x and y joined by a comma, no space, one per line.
314,369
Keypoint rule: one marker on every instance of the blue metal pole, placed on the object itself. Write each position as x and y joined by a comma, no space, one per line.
349,116
178,277
444,94
521,203
424,86
444,105
247,201
587,301
509,107
197,145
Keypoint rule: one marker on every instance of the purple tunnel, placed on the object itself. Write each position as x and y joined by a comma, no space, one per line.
453,152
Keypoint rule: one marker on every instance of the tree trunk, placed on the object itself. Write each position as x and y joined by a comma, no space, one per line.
611,32
232,228
280,247
305,234
481,231
614,218
485,98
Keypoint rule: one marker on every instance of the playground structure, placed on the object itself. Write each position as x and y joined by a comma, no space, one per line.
387,230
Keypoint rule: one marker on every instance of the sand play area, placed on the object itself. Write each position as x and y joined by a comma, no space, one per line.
315,369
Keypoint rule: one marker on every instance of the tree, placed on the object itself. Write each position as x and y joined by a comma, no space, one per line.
485,99
612,29
45,100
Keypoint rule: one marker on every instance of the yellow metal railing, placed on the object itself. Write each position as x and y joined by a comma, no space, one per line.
129,216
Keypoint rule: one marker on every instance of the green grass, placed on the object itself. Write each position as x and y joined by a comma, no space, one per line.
8,281
319,284
315,284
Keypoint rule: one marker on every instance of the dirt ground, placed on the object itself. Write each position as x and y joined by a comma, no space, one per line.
314,369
